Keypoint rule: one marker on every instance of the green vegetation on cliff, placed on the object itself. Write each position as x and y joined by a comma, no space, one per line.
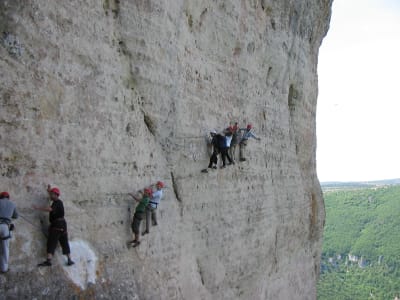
363,222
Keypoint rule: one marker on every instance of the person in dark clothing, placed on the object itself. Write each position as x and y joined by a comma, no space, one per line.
225,143
214,156
57,229
219,144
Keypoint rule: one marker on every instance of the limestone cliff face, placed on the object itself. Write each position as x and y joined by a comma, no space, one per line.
102,98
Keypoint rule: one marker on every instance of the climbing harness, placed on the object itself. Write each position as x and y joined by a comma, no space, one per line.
10,228
155,203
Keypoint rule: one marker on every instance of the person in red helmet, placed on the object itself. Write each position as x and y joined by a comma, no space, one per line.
58,228
151,210
140,211
8,211
4,195
243,141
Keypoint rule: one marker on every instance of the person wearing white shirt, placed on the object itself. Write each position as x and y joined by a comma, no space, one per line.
151,210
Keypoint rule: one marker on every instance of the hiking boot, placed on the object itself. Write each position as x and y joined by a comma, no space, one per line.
70,262
145,232
204,171
46,263
137,243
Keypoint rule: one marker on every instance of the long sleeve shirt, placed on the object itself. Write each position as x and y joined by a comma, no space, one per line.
247,134
8,210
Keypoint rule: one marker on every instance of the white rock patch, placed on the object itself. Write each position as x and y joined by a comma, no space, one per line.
84,269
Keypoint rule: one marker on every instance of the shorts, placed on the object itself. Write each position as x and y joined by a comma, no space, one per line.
137,218
58,235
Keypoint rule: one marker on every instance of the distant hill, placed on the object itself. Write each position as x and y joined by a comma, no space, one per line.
361,248
328,185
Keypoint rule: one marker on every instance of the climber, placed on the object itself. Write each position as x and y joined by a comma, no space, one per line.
215,151
139,213
151,209
8,211
57,231
235,140
224,148
243,141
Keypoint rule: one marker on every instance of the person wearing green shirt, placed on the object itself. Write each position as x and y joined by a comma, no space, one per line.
140,211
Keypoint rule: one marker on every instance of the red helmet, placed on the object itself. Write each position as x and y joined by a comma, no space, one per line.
4,195
160,184
148,192
55,191
249,126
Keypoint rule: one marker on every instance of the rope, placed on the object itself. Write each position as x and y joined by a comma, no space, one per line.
28,221
33,225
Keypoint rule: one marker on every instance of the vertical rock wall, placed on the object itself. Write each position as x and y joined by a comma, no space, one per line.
102,98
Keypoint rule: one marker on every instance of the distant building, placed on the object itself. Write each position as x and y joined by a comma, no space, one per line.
353,258
362,263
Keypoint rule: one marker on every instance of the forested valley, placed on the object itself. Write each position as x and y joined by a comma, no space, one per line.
361,247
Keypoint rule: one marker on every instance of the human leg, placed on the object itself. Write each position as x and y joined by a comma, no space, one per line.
4,255
4,248
148,216
52,240
229,157
154,216
223,156
211,161
63,239
232,152
242,146
213,158
137,219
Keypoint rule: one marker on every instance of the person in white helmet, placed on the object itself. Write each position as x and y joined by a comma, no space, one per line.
215,138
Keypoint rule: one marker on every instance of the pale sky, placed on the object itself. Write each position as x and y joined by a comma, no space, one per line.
358,112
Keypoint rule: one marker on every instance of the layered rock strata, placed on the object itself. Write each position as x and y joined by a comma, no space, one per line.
102,98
